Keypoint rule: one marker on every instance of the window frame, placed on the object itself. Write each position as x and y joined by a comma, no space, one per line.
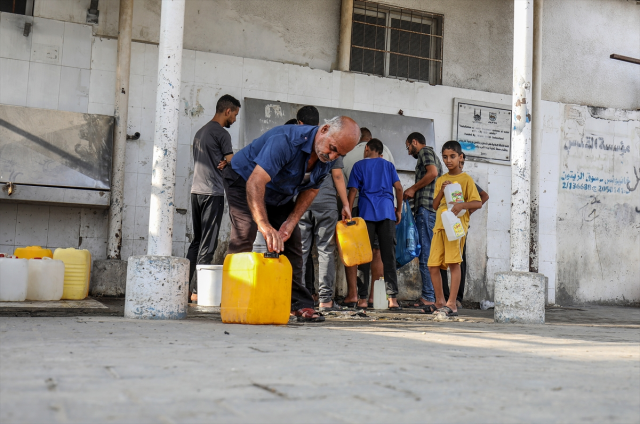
434,20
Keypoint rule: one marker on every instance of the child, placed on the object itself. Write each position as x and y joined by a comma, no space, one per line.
445,253
375,179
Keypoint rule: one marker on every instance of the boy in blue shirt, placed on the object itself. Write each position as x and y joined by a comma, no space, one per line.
375,179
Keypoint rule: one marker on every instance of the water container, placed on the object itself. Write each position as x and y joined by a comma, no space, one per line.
77,272
353,243
256,288
31,252
14,274
209,285
380,295
453,193
452,226
46,279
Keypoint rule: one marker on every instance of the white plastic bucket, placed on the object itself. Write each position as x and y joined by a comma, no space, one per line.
209,285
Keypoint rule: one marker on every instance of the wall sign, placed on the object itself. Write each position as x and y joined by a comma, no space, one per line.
483,129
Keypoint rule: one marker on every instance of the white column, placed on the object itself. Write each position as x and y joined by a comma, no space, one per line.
519,295
114,241
165,141
521,134
157,284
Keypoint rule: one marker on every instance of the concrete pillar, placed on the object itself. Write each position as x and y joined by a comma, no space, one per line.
157,284
344,48
114,241
109,276
520,295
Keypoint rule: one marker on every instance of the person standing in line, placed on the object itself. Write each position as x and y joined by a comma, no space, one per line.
463,266
376,179
212,151
319,223
428,169
375,267
286,162
444,253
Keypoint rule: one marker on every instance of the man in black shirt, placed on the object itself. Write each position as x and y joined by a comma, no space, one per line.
212,151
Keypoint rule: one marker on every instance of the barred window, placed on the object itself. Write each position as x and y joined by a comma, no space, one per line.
396,43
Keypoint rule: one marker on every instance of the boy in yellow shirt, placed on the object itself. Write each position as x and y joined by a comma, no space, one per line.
444,253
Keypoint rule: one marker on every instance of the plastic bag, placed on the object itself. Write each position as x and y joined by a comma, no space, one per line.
408,242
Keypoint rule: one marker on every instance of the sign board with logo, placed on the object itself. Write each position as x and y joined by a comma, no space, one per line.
483,129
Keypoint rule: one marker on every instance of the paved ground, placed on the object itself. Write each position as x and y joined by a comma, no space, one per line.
583,366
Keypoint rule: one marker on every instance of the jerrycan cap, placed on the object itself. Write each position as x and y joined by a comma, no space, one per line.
350,223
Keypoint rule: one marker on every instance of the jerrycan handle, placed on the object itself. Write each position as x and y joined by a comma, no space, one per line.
275,255
350,223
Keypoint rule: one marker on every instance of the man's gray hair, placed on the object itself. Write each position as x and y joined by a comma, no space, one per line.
335,124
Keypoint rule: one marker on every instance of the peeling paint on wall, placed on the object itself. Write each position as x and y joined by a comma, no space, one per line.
597,206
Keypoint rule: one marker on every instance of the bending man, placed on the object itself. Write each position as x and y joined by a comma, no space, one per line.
262,181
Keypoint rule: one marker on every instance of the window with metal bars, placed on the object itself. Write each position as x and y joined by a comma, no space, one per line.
396,43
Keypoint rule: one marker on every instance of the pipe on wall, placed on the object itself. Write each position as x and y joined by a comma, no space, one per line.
121,113
344,46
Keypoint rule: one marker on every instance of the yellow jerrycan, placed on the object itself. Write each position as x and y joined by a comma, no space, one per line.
77,272
31,252
354,247
256,288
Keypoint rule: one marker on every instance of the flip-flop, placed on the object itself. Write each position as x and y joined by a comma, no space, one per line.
334,307
307,315
447,311
429,309
395,308
349,305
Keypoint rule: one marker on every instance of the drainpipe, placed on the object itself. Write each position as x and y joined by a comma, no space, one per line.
519,294
344,48
157,283
114,241
537,125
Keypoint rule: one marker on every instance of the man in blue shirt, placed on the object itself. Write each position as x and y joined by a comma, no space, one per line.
375,179
263,179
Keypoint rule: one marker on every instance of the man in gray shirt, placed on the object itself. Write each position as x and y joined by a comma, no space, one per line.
212,151
320,220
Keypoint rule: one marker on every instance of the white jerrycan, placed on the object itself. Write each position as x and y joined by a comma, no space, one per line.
380,295
13,279
453,193
452,226
46,279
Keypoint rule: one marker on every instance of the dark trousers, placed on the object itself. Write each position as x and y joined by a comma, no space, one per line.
244,230
463,276
386,232
206,212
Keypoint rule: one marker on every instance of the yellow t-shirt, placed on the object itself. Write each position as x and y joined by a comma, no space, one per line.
469,191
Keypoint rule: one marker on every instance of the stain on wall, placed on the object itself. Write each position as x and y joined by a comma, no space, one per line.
598,232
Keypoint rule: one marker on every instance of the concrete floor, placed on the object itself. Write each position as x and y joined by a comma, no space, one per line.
583,366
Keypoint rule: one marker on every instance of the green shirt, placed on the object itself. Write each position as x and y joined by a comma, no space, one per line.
424,196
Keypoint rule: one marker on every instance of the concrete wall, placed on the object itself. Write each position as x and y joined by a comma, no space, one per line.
24,69
579,36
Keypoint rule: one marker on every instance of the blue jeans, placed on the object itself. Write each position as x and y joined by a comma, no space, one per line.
425,220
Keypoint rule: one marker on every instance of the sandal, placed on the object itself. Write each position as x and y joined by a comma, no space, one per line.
395,308
447,311
308,315
418,304
349,305
429,309
334,307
